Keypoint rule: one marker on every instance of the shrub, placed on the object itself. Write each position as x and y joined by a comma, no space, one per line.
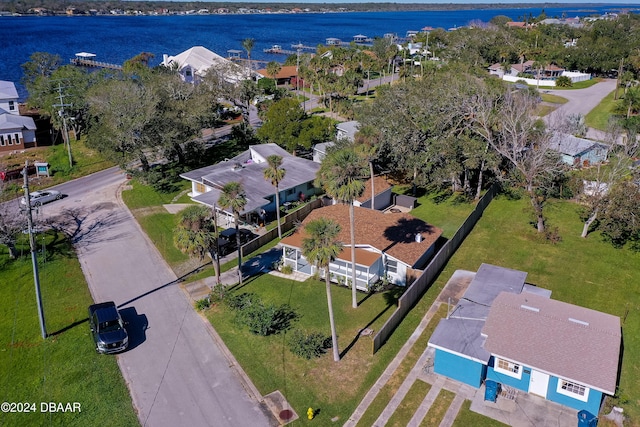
203,304
286,269
310,345
564,81
261,319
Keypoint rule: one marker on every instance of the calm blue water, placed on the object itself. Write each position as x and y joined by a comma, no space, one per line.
117,38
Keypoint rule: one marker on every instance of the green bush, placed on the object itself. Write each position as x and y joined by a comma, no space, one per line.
261,319
203,304
310,345
286,269
564,81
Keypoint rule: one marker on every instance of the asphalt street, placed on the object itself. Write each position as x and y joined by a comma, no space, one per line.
581,101
176,372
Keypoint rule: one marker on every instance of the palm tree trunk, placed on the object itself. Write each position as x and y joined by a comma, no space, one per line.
236,216
278,212
334,335
352,220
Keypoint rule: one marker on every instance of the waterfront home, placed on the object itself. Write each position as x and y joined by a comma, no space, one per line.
248,168
514,334
389,246
16,132
193,64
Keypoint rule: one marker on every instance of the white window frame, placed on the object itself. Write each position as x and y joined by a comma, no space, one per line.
561,390
512,366
392,266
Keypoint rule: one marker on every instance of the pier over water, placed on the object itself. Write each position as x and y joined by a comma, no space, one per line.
85,59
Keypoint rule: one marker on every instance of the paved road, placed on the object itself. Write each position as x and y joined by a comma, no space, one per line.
176,373
581,101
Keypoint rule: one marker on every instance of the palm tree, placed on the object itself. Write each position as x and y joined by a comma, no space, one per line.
247,44
322,247
340,176
367,144
196,234
275,174
273,68
233,197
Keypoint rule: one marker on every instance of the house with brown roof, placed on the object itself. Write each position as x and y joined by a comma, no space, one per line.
394,246
510,332
286,75
383,194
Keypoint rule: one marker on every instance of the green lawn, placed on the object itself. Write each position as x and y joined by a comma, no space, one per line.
333,388
598,118
409,404
466,418
438,408
64,367
554,99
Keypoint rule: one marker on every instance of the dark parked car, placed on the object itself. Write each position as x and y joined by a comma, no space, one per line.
107,328
229,235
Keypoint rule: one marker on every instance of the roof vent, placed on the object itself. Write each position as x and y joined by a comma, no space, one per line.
527,307
236,166
579,322
418,237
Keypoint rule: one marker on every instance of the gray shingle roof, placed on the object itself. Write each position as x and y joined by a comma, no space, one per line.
13,121
568,341
572,145
249,169
460,333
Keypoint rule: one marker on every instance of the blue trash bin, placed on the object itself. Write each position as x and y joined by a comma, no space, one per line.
587,419
491,390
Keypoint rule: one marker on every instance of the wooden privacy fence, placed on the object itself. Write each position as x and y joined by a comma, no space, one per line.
289,223
413,293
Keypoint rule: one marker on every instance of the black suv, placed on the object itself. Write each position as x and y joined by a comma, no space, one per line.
229,235
107,328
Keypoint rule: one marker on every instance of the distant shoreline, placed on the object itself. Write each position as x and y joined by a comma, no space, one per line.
177,8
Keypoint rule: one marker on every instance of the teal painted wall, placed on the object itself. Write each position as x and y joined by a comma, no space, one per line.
459,368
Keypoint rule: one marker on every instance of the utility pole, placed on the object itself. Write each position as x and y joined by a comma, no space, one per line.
65,135
32,246
615,96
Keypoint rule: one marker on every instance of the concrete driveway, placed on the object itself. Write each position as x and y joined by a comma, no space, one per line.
176,372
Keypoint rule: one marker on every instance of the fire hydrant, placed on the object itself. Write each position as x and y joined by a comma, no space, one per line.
310,413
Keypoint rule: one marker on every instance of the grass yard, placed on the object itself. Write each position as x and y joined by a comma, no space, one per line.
64,367
440,209
409,404
553,99
599,117
438,409
333,388
466,417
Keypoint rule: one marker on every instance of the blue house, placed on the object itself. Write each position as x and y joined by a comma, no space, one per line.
513,333
579,151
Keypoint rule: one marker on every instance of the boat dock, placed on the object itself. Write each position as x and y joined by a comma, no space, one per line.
84,59
295,49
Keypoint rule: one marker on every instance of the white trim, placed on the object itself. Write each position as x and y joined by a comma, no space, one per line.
516,366
560,390
446,350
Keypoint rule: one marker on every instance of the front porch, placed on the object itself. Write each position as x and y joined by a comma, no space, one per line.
339,270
